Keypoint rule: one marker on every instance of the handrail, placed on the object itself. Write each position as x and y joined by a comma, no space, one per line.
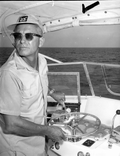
90,63
107,86
50,58
88,75
88,78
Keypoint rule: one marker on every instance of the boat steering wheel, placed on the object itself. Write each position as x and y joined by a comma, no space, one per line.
75,125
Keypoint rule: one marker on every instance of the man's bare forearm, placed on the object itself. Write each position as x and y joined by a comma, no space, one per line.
19,126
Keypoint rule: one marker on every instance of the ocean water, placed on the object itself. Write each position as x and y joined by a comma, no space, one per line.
99,55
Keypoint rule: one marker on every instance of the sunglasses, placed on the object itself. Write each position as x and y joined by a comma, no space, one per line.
28,36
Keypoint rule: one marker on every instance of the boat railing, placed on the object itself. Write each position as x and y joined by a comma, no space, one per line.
105,80
110,73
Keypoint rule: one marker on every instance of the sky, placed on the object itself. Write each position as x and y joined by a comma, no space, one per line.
80,36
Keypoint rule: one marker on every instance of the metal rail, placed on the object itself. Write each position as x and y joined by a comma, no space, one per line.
107,86
89,63
88,75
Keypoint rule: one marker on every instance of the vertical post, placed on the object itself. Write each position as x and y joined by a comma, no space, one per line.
88,78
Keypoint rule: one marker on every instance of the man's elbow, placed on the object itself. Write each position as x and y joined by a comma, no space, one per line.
8,129
8,124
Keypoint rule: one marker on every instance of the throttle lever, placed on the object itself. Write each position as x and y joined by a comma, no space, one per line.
113,120
115,134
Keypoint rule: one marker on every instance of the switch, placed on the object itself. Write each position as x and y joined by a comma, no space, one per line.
80,153
87,154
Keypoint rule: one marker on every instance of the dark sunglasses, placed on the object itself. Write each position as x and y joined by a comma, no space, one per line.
28,36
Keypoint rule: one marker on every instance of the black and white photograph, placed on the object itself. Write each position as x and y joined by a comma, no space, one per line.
60,78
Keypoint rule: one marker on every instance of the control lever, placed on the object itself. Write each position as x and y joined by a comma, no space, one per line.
115,132
113,121
63,107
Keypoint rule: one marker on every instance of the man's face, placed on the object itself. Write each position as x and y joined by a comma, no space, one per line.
25,47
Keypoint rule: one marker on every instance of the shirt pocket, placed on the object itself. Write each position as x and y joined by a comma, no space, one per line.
30,92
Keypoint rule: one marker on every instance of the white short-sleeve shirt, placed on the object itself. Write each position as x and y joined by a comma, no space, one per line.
23,92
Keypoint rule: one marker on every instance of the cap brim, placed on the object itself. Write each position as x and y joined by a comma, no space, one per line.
12,26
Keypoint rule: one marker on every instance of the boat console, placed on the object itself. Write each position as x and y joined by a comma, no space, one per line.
85,135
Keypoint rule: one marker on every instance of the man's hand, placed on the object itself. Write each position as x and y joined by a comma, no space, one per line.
59,97
56,134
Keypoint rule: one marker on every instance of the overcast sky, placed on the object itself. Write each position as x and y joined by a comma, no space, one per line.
82,36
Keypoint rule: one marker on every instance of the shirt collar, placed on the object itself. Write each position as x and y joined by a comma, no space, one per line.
20,63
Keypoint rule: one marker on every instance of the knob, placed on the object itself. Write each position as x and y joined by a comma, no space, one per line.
118,112
68,110
87,154
80,153
57,146
52,147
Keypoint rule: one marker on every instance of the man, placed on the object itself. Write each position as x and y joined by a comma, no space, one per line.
23,94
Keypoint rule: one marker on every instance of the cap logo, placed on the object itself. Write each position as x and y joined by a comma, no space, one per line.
23,19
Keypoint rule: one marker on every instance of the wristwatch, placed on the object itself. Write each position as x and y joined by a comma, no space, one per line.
51,91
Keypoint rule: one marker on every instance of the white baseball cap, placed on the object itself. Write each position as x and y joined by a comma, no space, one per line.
26,19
